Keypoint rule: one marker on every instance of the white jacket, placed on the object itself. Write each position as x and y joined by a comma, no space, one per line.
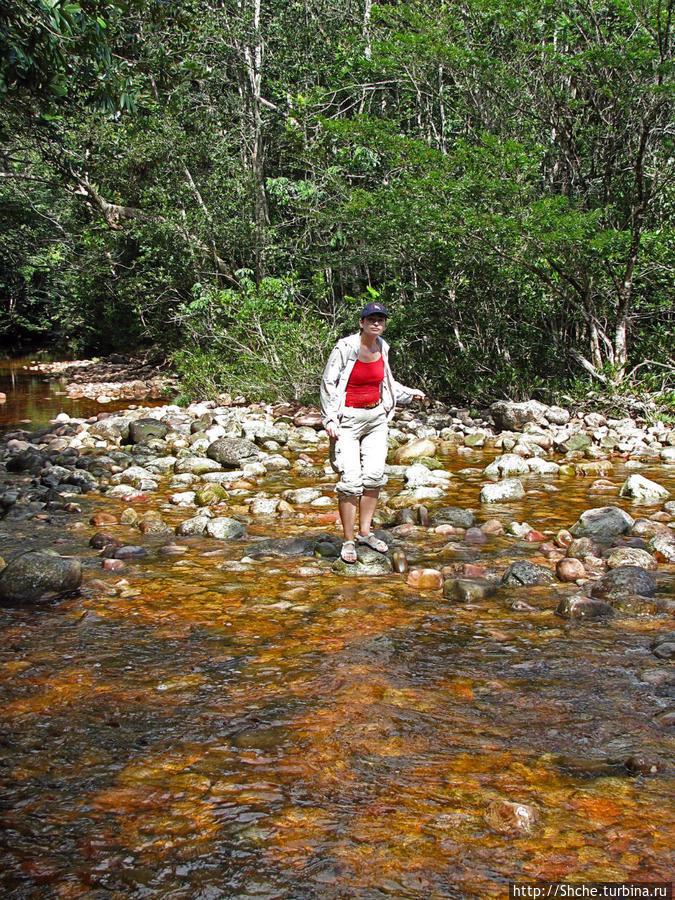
336,375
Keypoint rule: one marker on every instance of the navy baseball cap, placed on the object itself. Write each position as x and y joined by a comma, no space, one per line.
373,309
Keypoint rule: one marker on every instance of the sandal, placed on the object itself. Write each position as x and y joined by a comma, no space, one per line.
372,541
348,552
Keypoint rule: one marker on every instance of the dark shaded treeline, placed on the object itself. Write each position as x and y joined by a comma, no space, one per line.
230,180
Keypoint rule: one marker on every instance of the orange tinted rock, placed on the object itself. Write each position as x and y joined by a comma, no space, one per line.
103,518
328,518
425,579
492,526
564,538
534,536
569,569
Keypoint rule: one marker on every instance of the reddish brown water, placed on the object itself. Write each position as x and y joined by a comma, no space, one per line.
201,728
33,398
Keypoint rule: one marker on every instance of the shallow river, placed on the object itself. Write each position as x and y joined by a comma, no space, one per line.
201,729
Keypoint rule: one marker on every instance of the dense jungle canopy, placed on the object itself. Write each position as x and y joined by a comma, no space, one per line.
229,181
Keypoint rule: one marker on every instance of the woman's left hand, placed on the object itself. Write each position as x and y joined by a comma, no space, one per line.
418,394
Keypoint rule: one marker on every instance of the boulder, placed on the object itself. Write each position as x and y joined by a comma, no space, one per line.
509,416
28,462
35,575
281,548
469,590
142,431
524,572
581,607
643,491
232,452
603,522
369,563
425,579
502,491
624,581
507,465
631,556
569,570
210,494
663,545
414,449
194,526
556,415
196,465
225,528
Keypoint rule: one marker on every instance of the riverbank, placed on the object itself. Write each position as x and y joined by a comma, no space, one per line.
113,377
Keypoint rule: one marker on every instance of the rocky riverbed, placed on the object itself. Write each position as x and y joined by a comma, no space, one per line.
544,533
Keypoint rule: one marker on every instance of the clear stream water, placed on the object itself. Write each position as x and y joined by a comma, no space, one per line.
194,727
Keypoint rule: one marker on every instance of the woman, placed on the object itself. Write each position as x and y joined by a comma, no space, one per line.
358,399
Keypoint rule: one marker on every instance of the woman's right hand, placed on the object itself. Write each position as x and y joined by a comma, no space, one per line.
332,430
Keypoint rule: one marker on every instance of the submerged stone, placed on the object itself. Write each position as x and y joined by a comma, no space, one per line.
35,575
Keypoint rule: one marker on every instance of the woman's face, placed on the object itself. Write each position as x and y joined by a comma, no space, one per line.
373,326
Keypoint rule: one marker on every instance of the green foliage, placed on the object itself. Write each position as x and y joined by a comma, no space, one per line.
257,340
499,173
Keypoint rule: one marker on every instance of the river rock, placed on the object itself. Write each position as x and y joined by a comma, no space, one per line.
506,817
582,547
556,415
643,491
420,475
663,646
510,416
569,570
152,523
210,494
225,528
113,429
263,506
631,556
28,462
301,496
603,522
523,572
369,563
502,491
281,548
415,448
663,545
539,466
196,465
128,551
232,452
35,575
668,456
194,526
469,590
581,607
142,431
507,465
425,579
624,581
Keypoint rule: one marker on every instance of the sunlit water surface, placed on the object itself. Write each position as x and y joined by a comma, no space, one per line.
203,729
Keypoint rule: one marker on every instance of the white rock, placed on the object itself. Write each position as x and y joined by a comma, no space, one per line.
182,498
543,466
642,490
301,496
507,465
509,489
668,456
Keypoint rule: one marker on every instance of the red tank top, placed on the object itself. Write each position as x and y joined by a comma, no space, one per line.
363,387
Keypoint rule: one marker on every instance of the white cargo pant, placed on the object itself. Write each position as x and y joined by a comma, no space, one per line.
360,452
